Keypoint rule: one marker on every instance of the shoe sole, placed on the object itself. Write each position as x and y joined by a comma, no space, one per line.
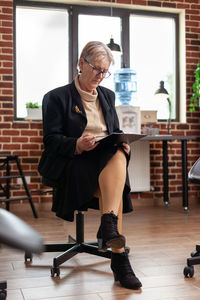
117,243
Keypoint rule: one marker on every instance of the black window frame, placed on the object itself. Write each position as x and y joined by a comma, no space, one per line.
124,13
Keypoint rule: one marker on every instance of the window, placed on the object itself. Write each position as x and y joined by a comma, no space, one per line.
49,41
41,54
152,48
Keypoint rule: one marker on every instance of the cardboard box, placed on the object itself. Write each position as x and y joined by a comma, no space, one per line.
148,116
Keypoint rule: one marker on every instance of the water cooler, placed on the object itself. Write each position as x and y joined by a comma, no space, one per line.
125,82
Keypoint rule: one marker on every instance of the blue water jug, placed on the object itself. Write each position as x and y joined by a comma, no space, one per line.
125,82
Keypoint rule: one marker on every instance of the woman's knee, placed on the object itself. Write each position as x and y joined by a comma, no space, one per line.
120,155
117,161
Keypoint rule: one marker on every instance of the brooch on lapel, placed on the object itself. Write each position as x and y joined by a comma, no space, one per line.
78,110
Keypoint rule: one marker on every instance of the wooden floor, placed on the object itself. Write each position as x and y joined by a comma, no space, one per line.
160,238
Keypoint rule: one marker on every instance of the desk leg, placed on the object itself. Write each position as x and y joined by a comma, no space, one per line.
184,175
165,173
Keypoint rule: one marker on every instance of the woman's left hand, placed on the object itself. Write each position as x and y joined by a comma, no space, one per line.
126,148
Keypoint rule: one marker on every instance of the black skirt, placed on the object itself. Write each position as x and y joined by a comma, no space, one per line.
79,182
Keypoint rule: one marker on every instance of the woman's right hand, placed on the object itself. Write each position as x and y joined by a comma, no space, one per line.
85,143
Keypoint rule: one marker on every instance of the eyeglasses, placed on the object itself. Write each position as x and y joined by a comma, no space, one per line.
98,71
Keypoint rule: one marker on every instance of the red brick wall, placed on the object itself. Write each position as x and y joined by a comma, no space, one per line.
25,138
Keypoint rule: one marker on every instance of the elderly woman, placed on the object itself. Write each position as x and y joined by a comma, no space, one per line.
86,173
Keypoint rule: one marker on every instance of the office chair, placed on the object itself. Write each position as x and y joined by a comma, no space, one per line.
73,246
17,234
194,177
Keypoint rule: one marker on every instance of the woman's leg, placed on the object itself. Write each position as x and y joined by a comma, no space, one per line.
97,194
110,191
111,183
112,180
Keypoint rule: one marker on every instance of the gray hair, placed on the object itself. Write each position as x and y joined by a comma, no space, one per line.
94,51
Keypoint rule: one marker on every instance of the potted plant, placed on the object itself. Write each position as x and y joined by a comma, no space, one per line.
195,99
34,111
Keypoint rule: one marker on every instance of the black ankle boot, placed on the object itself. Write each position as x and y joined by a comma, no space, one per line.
123,271
102,247
108,232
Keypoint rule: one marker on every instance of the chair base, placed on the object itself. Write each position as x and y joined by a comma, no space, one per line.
73,247
70,250
193,260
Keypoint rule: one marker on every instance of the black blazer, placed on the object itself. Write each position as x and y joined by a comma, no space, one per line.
64,120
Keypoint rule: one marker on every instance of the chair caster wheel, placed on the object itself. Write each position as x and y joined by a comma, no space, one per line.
55,272
127,249
28,257
3,295
188,271
167,204
3,289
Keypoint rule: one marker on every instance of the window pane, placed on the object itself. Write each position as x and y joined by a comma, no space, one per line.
41,53
152,56
102,29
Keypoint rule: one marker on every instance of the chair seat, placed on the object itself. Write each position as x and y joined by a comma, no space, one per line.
15,233
193,176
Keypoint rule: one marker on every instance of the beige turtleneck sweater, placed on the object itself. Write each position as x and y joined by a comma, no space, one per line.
95,119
